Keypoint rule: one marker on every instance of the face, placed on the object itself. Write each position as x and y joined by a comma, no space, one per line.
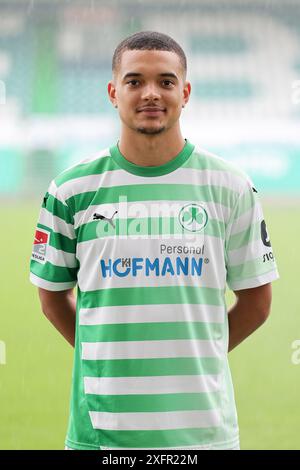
149,89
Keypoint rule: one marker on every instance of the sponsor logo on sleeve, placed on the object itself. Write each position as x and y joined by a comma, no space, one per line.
264,234
41,241
267,242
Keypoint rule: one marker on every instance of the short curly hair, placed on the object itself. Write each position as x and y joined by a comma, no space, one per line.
148,40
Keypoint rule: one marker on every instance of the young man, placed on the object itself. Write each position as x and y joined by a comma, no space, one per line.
151,230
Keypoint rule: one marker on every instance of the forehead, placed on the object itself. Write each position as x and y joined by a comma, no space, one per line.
149,62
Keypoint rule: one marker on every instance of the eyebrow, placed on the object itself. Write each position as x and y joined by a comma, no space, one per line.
135,74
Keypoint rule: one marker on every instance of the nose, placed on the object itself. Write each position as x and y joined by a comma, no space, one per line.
150,91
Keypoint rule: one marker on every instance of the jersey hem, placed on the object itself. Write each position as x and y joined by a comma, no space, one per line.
48,285
222,445
255,281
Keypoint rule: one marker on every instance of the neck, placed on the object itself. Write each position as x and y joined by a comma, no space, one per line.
150,150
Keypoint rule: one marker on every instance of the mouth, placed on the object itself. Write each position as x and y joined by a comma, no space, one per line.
154,111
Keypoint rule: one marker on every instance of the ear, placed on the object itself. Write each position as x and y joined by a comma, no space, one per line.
111,89
186,93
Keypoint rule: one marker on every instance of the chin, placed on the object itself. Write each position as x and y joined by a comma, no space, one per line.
150,130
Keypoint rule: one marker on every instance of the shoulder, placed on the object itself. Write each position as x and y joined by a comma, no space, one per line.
84,167
81,177
218,169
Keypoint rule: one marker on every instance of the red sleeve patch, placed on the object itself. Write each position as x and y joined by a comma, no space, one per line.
41,241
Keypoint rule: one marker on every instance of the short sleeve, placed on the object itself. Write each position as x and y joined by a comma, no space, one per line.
53,264
250,261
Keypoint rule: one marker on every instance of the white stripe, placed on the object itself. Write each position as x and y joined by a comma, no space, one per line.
60,258
251,251
56,223
151,314
151,349
151,385
136,210
52,286
116,247
155,420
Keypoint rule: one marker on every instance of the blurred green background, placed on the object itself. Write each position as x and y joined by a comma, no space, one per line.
55,63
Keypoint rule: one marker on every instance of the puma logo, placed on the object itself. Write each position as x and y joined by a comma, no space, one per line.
102,217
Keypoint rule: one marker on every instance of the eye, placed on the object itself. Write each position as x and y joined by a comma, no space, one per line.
132,82
168,82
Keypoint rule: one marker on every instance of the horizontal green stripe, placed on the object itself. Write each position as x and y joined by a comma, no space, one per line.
154,403
82,201
151,331
155,192
249,269
151,295
160,438
59,241
144,226
251,234
57,208
148,367
52,273
199,161
95,167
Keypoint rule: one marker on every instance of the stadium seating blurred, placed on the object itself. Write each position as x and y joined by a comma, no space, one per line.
55,62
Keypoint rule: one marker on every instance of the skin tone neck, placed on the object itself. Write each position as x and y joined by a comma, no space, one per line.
147,150
154,79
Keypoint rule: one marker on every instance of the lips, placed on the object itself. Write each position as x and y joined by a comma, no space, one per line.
151,109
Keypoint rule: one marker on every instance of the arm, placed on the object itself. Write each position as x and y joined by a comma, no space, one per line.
60,309
250,311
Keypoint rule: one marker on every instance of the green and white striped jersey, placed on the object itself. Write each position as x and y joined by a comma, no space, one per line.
151,250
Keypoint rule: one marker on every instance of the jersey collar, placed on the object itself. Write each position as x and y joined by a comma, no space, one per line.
157,170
